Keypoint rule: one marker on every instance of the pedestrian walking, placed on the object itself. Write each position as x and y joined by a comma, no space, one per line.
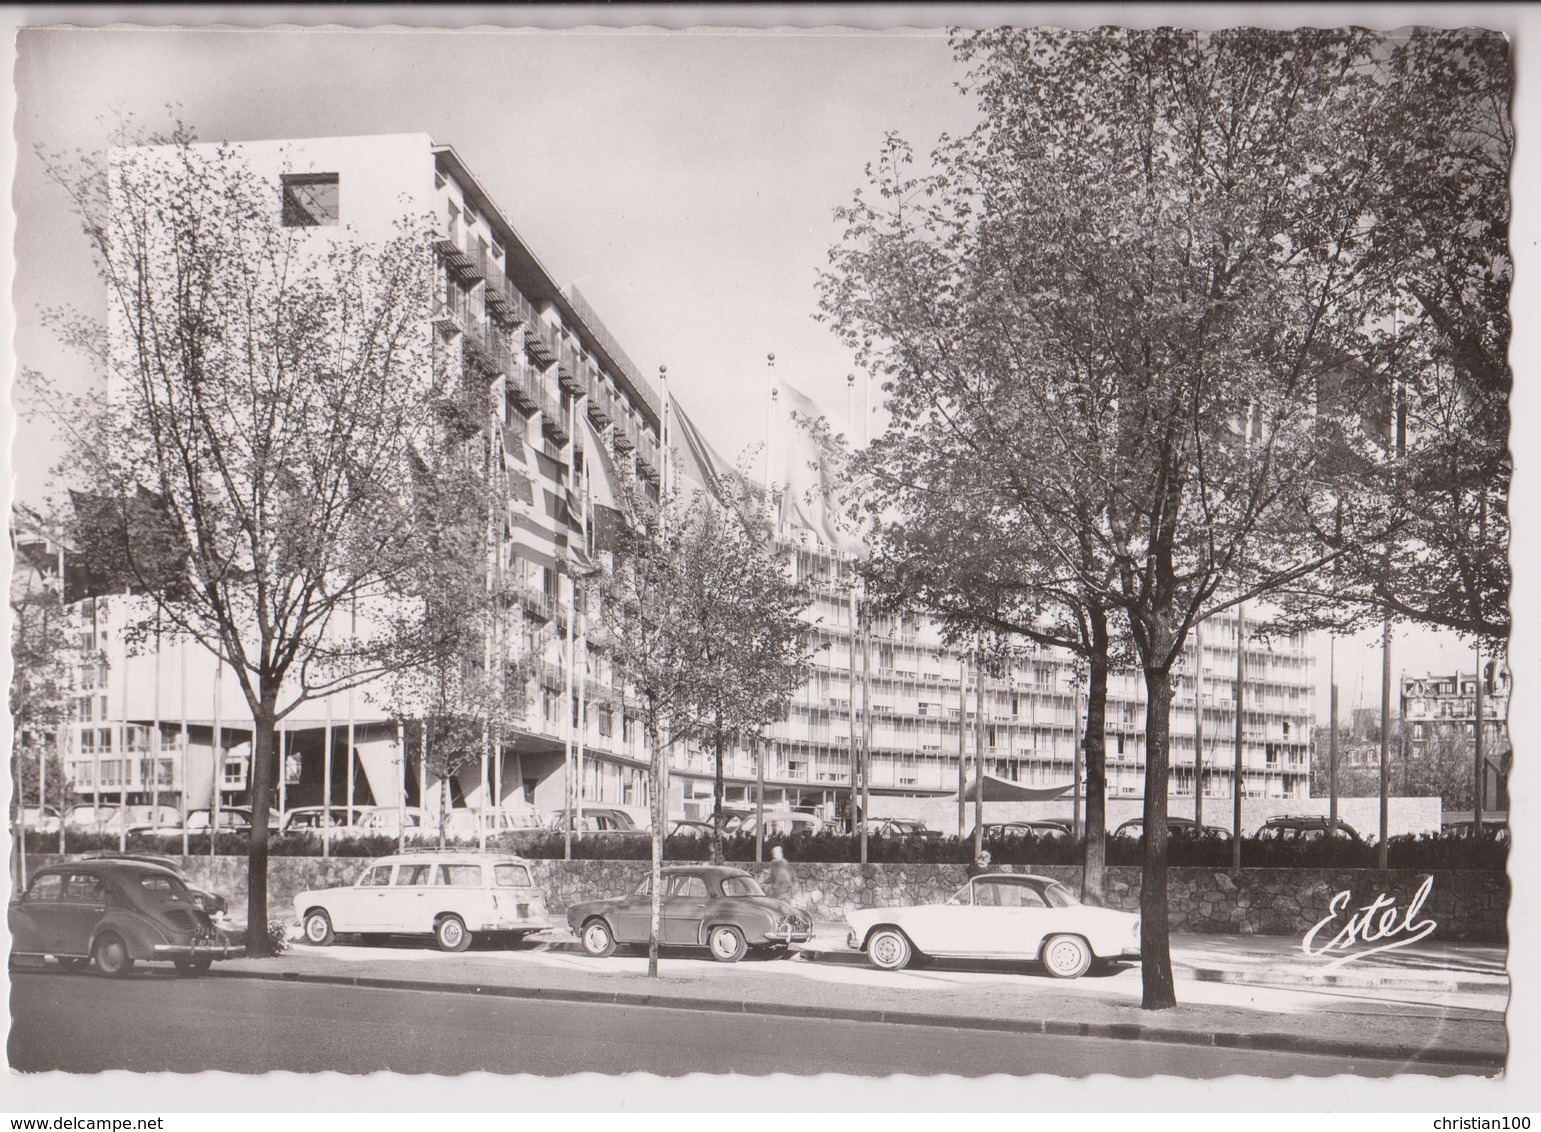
782,880
980,864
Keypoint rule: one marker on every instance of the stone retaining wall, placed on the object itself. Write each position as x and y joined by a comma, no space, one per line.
1467,905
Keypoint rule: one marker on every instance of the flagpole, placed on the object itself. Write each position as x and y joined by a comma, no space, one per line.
352,759
126,764
216,754
155,735
326,784
182,741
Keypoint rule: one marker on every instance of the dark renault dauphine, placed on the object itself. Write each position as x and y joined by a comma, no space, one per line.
714,906
117,913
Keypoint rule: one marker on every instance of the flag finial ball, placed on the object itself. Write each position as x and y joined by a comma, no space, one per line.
770,359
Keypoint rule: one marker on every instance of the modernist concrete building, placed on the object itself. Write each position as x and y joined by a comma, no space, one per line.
576,421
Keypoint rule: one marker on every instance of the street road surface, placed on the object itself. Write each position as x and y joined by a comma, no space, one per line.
159,1022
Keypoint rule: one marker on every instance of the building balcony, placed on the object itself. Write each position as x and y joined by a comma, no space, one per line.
524,388
455,256
599,404
500,299
541,342
647,459
553,421
624,434
569,371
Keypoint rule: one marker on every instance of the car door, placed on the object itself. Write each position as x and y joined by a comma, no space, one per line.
633,914
81,907
1012,917
408,904
35,919
684,909
361,907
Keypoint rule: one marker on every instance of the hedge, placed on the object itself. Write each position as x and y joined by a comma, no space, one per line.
1424,851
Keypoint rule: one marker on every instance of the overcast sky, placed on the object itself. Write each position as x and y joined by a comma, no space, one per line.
686,181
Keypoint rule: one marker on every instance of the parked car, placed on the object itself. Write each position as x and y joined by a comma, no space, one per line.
685,828
713,906
227,821
40,819
900,827
211,902
388,821
152,817
1303,827
87,818
1495,828
313,821
781,823
468,824
1033,828
999,916
1175,827
117,913
452,895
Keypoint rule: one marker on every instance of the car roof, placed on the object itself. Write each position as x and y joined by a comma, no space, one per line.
449,856
704,870
1016,877
109,865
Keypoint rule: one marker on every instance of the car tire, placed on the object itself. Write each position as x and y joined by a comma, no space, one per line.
726,943
318,928
1066,956
597,938
450,934
888,949
111,955
192,968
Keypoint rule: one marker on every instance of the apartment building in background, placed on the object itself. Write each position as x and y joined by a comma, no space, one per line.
1446,705
575,424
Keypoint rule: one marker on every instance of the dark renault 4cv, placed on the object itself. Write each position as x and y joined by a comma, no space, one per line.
713,906
116,912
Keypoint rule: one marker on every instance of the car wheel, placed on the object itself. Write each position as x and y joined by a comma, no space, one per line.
112,957
450,934
726,943
190,968
598,940
72,964
1067,956
318,928
889,949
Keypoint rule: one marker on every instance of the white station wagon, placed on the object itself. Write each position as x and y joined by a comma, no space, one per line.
999,916
450,895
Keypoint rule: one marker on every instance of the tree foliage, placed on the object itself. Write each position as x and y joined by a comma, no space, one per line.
250,468
1122,306
700,621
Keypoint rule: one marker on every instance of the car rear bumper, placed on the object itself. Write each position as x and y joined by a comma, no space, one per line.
789,935
220,950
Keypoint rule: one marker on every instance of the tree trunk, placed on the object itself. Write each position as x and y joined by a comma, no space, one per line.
1159,992
717,804
1095,859
659,809
264,750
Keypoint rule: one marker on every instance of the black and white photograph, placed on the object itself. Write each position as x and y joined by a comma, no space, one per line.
889,559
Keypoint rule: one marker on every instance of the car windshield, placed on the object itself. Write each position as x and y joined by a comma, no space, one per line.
741,886
1059,896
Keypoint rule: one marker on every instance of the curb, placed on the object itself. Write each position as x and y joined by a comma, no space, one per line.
1347,982
1118,1031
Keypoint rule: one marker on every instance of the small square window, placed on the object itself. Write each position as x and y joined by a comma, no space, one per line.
310,200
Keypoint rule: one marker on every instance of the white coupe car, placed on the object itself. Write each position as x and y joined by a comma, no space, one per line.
999,916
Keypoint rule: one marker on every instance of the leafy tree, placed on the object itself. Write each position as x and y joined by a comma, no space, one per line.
699,619
1125,281
1433,461
41,678
1008,551
250,466
752,640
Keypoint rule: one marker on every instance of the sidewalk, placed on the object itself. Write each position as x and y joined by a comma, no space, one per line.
831,981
